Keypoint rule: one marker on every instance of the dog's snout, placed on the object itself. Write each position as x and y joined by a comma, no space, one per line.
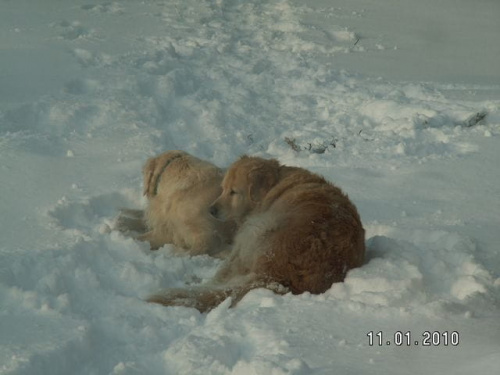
213,211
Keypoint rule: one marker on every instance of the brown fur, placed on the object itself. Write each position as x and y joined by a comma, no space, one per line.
297,232
180,189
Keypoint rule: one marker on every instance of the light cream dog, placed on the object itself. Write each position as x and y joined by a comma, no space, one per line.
297,233
180,189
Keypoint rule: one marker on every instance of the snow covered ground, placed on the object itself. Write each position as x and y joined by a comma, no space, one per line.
397,102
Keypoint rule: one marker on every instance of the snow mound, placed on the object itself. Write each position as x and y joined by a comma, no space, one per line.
425,271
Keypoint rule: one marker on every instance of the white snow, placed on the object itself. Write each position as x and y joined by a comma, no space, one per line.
383,98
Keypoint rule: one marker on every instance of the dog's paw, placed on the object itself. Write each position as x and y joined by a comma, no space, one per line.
175,297
129,220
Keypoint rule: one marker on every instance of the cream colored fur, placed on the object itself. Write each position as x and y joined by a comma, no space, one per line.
180,188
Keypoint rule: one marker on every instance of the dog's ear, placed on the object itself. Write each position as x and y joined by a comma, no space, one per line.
261,179
148,176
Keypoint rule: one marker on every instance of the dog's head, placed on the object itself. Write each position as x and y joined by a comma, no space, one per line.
246,183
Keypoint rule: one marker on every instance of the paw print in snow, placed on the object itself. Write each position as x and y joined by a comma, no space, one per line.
74,30
104,8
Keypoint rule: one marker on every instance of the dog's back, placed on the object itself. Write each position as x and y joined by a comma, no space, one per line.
320,238
305,235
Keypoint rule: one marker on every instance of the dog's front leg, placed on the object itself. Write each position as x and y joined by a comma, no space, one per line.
201,298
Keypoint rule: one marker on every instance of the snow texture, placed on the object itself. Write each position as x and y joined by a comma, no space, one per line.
396,102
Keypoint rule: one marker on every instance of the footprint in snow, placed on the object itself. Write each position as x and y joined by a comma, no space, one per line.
74,30
113,8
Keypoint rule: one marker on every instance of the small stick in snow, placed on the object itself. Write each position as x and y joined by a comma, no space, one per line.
291,142
475,119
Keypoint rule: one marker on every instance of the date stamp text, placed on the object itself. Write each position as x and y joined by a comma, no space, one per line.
426,338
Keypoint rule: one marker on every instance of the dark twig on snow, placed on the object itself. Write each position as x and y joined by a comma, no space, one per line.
315,148
475,119
291,142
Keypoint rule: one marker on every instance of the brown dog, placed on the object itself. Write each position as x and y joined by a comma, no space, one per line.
180,189
297,232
